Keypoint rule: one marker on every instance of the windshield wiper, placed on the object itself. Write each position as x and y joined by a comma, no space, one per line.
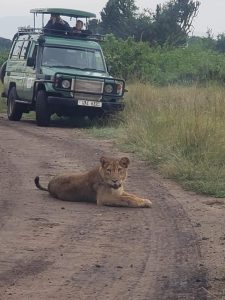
73,67
90,69
63,66
68,67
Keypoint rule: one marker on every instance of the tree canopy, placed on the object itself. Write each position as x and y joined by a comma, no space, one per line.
118,17
169,24
173,21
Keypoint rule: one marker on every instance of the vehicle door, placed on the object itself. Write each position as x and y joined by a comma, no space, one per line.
15,67
29,70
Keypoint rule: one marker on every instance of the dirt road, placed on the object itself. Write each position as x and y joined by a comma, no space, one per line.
50,249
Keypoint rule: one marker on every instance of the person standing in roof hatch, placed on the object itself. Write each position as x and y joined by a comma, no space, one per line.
79,26
56,25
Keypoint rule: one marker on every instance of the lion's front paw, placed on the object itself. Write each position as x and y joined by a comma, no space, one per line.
147,203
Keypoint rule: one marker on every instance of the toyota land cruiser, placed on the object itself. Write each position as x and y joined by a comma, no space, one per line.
63,73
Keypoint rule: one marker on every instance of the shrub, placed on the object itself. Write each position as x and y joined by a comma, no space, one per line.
162,65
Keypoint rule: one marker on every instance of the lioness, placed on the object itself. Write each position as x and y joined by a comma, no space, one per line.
102,185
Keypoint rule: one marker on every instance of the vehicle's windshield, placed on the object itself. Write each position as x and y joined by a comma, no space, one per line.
85,59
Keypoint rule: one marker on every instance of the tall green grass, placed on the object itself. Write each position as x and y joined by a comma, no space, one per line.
181,130
2,102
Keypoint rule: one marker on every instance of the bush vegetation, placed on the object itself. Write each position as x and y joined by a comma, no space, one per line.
164,65
5,44
3,56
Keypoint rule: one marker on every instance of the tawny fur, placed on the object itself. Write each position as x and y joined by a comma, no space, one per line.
102,185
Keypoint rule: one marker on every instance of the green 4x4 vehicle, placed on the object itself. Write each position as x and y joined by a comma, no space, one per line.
61,73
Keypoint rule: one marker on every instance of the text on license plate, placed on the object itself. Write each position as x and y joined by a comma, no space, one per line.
89,103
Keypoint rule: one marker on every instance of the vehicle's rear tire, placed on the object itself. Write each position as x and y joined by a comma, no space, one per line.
43,115
14,110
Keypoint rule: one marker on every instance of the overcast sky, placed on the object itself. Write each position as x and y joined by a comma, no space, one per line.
210,16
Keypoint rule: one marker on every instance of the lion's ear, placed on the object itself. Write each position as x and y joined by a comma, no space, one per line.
103,160
124,162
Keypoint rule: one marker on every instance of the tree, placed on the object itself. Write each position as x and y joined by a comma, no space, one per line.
170,24
144,28
5,43
220,43
95,26
118,17
173,21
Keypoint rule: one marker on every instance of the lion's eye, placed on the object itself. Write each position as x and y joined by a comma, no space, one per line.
108,171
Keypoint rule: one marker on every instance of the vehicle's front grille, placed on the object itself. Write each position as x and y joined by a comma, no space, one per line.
83,86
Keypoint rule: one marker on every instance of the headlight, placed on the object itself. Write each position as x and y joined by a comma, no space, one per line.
119,88
108,88
66,84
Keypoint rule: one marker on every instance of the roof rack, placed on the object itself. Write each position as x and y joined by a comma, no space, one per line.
77,36
28,29
81,36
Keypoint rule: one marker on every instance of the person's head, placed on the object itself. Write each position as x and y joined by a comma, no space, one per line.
55,17
79,25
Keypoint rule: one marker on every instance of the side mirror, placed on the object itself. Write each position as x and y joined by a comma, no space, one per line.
30,62
109,68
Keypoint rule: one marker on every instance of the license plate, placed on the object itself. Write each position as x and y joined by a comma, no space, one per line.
89,103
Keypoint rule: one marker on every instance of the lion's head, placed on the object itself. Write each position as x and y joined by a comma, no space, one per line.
114,171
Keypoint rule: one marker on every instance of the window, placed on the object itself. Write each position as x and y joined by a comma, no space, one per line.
17,49
25,49
77,58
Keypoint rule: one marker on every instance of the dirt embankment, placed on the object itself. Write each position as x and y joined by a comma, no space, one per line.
51,249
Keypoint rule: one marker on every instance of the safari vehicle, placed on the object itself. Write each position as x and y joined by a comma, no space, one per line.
63,73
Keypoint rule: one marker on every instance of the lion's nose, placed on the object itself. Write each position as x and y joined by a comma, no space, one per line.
115,181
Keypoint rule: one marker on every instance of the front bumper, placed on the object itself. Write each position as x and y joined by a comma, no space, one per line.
71,102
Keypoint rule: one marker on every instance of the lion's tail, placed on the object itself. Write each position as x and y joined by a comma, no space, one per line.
36,181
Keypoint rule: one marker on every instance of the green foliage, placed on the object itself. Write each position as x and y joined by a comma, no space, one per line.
173,21
220,44
202,43
181,131
170,24
118,17
3,56
144,30
95,26
2,102
5,44
163,65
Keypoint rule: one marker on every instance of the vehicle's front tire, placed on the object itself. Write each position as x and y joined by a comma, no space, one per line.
43,115
14,110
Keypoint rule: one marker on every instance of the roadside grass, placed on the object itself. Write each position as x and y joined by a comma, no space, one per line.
108,128
2,102
179,130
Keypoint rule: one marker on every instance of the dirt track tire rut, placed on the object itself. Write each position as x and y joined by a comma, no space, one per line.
59,250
